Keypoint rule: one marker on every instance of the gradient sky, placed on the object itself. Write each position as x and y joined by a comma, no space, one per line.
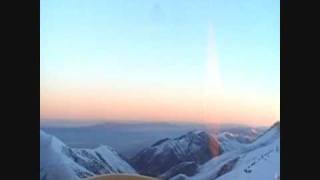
181,60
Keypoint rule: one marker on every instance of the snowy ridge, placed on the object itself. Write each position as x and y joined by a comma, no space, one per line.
262,163
229,141
58,161
257,160
194,147
196,155
168,157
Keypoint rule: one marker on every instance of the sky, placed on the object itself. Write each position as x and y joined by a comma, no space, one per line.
160,60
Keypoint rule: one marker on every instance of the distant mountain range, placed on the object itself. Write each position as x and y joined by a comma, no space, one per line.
137,135
238,153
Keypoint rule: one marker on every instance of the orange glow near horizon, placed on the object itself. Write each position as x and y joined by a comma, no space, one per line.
210,102
158,106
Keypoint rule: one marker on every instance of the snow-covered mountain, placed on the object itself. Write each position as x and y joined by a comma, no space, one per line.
59,162
259,159
241,154
169,157
195,147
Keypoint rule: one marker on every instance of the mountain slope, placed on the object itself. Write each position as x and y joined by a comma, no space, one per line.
58,161
262,163
257,160
195,147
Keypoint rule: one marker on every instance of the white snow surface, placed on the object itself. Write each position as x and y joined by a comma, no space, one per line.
56,164
262,163
259,160
53,164
228,142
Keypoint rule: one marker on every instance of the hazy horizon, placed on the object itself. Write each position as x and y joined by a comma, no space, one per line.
76,123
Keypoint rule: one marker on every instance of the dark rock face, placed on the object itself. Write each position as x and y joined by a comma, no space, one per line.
197,147
227,167
160,142
186,168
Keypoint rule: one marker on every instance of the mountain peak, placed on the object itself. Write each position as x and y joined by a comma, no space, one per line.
194,134
194,146
58,161
276,124
256,160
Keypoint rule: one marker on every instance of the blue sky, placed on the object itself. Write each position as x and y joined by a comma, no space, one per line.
159,43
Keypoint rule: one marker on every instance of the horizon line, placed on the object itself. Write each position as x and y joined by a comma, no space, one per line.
64,122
